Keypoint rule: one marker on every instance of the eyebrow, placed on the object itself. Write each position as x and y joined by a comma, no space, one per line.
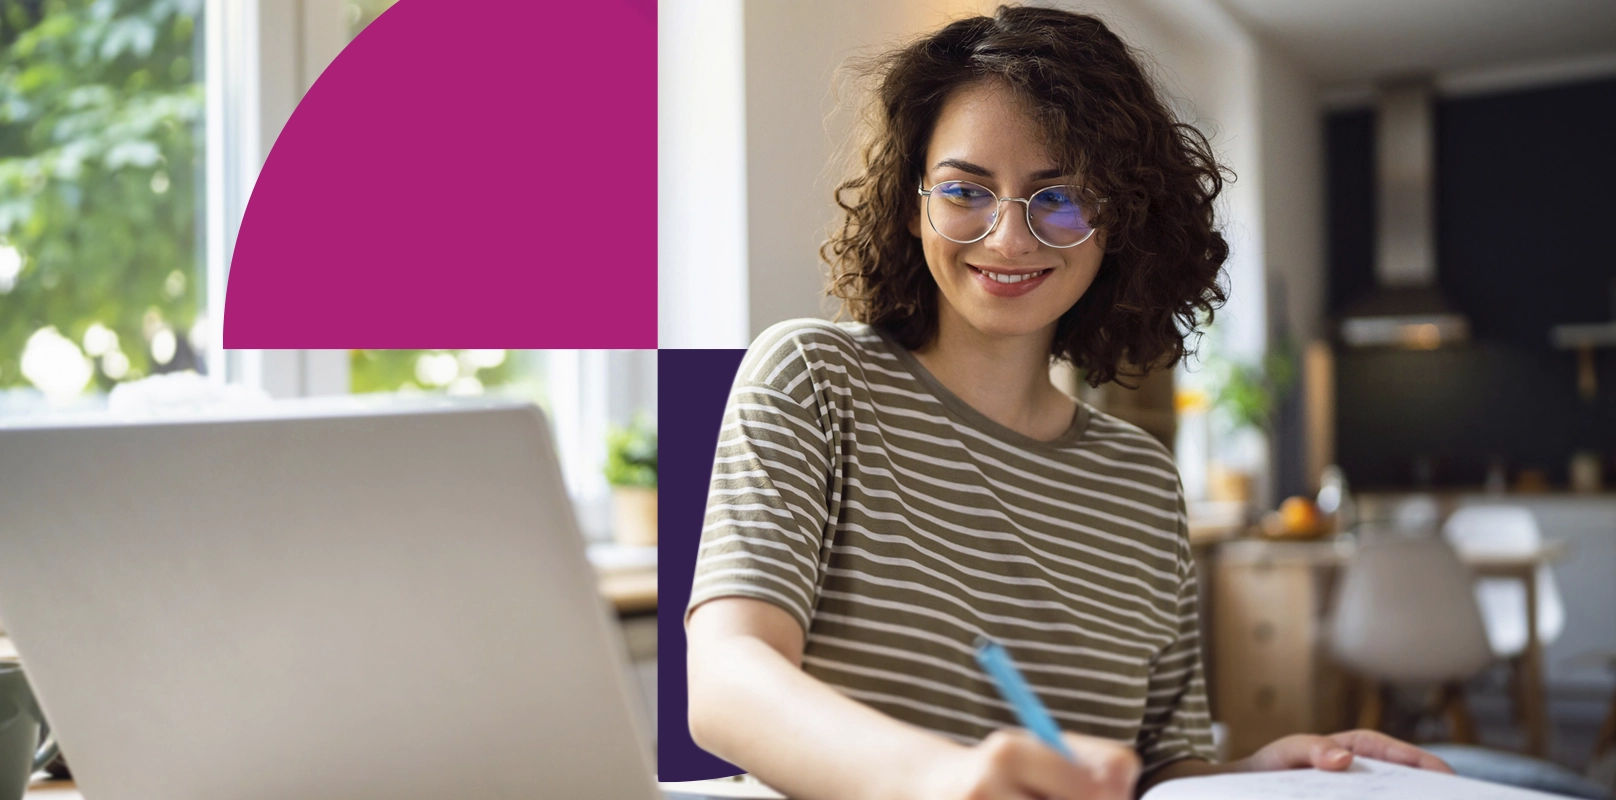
966,166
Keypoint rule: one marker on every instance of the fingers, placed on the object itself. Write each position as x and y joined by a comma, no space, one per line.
1319,752
1300,752
1377,745
1111,767
1324,753
1016,764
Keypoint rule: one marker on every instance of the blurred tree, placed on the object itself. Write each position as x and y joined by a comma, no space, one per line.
101,108
363,12
455,371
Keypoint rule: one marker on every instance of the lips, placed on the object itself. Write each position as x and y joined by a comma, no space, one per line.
1004,282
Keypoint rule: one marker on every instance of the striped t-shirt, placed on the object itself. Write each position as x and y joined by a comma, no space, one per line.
897,524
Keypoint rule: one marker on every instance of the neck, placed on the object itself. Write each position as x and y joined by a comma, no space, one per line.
1004,377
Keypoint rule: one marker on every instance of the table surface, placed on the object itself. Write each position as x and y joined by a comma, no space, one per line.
630,592
1333,551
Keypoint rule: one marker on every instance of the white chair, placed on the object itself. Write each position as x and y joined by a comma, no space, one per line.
1405,614
1507,531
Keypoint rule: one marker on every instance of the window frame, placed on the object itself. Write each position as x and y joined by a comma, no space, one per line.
261,58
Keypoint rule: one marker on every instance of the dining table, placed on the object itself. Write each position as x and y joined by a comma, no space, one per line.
1265,604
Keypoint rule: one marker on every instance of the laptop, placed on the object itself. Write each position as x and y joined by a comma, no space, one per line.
328,598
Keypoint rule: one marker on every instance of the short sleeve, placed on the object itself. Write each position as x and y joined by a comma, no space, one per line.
768,504
1177,724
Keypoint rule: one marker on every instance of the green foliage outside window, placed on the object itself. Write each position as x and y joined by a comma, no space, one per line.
427,370
101,112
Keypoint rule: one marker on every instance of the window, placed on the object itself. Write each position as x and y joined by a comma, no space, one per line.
101,187
131,132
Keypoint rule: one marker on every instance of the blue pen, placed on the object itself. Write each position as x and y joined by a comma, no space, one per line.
1015,691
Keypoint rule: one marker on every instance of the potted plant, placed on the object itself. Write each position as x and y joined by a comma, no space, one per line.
1246,396
631,469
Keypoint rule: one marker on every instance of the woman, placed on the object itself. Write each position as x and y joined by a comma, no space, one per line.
888,490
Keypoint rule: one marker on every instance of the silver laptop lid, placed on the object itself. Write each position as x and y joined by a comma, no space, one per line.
339,598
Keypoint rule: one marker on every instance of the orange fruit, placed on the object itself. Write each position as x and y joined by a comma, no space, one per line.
1300,516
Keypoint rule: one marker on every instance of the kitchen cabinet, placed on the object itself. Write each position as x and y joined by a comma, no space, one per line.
1270,674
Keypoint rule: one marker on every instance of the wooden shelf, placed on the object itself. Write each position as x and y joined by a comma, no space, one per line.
630,592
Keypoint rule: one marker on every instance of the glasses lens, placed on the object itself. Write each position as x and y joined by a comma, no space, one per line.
1062,215
961,211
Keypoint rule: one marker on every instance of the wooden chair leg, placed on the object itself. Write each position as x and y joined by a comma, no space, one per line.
1371,706
1607,732
1535,705
1460,726
1517,691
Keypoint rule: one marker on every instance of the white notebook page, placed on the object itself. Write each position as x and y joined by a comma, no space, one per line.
1366,779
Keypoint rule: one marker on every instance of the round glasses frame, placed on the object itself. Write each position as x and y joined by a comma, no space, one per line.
1026,202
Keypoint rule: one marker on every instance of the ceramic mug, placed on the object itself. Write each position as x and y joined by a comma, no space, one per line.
26,745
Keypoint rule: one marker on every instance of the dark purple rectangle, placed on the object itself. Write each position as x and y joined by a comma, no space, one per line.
693,386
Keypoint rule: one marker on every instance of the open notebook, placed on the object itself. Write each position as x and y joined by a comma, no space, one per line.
740,787
1366,779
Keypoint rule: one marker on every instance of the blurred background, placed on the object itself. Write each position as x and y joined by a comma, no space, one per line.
1421,321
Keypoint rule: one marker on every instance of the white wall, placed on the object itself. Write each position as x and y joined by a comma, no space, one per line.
1291,126
1292,134
701,175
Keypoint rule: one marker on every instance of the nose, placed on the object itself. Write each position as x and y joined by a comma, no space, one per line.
1011,237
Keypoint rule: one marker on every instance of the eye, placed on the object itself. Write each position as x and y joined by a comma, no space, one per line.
964,194
1056,197
962,190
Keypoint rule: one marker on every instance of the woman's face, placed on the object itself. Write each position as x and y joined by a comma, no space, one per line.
984,135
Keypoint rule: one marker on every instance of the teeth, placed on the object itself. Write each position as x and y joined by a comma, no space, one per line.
1005,278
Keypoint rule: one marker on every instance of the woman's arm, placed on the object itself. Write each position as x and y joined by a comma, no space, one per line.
751,704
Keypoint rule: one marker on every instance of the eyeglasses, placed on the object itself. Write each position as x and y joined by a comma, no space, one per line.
964,212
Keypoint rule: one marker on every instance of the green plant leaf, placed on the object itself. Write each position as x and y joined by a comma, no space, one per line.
631,454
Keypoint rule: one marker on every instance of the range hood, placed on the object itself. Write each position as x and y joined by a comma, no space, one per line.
1406,309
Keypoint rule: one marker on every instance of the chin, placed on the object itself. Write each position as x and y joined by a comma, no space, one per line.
1008,323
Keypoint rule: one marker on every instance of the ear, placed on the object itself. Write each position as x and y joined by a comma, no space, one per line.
914,219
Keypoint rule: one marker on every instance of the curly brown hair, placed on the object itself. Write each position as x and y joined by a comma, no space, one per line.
1102,118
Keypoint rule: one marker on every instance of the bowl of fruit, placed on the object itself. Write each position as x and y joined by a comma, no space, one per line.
1298,518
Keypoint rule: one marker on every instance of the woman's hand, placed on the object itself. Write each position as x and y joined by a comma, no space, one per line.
1335,752
1013,765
